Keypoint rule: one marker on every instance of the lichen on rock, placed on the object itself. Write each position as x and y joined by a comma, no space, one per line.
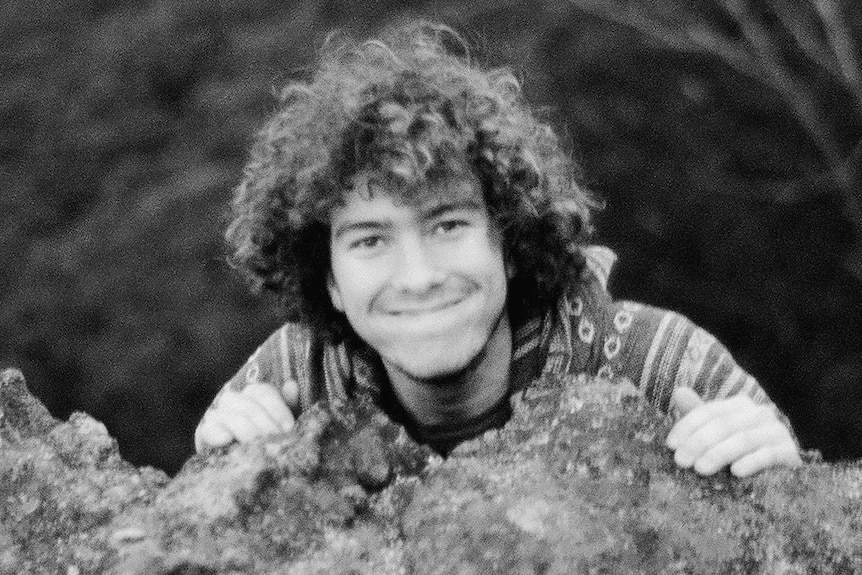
578,481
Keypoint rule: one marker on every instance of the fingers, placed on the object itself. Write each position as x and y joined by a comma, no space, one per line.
241,412
702,414
219,428
685,399
270,400
734,446
256,411
211,434
765,457
728,427
290,393
734,431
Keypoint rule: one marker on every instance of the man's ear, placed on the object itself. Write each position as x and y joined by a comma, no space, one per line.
334,293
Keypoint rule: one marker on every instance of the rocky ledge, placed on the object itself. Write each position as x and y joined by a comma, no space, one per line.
577,482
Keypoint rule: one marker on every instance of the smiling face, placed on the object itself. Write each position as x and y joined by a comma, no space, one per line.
423,283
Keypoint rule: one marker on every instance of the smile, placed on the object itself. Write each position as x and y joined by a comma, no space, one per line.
426,309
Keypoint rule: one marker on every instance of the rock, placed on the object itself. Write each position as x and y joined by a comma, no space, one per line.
578,481
20,412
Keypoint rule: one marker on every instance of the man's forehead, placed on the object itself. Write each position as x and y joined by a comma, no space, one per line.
425,196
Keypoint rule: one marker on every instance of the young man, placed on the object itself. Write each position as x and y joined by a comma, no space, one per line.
428,239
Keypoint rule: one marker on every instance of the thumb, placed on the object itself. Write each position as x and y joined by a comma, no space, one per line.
684,399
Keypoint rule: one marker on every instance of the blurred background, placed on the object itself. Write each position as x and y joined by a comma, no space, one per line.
721,133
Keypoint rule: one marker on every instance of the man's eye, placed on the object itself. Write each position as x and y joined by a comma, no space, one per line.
367,243
449,226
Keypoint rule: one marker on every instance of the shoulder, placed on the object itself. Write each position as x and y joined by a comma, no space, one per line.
591,296
576,325
600,262
591,289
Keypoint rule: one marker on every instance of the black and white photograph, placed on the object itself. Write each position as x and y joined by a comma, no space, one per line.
393,288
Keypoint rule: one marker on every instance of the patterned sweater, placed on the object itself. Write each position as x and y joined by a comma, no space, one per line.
587,331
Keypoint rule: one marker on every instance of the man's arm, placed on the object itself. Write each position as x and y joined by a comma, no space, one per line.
727,418
260,399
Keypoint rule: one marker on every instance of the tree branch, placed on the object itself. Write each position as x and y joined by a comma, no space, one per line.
758,56
690,37
805,34
842,46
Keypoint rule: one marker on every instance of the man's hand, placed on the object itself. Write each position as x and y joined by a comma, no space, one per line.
258,410
733,431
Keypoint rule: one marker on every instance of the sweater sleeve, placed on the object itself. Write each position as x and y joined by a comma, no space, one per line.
660,350
270,364
300,366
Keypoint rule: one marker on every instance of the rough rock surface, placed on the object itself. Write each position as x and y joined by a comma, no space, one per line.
577,482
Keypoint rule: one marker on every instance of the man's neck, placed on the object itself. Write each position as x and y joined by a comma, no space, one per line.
466,395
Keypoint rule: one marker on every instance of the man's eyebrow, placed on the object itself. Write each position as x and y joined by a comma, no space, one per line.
438,209
358,226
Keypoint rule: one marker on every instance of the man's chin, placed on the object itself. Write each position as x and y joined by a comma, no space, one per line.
431,374
441,371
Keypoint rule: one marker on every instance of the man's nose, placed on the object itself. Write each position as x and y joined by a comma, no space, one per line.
416,269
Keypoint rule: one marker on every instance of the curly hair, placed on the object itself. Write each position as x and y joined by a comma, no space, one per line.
408,110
